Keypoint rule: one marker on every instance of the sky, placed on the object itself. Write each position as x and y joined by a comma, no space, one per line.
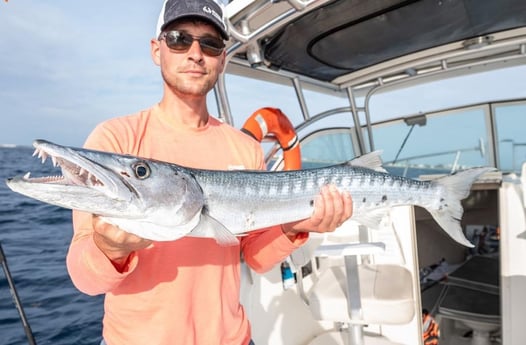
67,65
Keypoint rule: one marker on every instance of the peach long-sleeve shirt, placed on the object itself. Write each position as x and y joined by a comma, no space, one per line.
185,291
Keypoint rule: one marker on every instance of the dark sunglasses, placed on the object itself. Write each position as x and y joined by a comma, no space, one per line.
181,41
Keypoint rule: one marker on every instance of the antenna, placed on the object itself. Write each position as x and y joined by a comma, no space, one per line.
16,299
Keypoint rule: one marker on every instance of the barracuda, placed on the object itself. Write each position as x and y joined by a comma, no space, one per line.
164,201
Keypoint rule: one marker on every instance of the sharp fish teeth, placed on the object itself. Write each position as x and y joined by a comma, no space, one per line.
92,179
42,155
27,176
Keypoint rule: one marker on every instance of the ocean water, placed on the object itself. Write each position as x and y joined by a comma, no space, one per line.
35,238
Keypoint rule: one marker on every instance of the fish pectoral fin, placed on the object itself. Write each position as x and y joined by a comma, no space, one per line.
372,219
209,227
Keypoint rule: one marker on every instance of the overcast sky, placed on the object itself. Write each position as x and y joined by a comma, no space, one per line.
67,65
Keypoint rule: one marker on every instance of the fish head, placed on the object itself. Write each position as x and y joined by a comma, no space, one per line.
131,191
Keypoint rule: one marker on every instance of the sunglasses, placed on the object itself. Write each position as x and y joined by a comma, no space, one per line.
181,42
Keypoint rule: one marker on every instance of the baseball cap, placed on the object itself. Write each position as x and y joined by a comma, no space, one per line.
209,10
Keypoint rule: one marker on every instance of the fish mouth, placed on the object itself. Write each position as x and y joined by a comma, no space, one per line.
77,170
72,174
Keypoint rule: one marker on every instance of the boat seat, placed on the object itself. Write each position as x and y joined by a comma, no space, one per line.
386,295
360,294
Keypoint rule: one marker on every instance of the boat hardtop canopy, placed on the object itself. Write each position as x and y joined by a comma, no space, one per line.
367,43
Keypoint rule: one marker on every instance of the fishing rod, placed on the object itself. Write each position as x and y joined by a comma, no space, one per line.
16,300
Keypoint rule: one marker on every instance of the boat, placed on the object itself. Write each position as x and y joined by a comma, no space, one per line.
360,285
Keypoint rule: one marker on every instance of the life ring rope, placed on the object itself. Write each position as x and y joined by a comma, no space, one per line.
268,120
292,144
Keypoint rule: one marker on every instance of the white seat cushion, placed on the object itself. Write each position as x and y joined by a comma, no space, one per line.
386,295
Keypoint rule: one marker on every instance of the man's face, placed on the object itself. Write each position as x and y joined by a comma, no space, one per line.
191,72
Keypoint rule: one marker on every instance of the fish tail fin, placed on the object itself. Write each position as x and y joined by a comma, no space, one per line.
449,213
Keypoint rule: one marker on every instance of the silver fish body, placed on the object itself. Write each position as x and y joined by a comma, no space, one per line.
163,201
262,199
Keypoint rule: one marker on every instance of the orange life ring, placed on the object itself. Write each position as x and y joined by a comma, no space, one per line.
271,120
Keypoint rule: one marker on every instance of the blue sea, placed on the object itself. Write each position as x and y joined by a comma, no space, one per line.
35,239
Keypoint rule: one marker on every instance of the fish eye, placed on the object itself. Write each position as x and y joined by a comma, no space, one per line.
142,170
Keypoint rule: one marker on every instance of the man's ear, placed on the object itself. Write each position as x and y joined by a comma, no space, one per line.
155,51
223,61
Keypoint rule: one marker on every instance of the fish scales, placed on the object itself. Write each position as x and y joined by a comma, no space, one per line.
370,190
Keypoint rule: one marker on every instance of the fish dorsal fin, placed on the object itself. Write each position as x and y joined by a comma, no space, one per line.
371,160
209,227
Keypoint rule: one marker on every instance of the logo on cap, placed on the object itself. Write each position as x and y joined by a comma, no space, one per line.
208,10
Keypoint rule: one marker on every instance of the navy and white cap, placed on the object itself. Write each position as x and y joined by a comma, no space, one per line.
208,10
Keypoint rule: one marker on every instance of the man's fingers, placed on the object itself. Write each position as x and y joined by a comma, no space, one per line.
337,206
331,209
319,211
347,206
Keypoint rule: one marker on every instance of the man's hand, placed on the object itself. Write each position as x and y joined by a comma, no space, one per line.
331,209
115,243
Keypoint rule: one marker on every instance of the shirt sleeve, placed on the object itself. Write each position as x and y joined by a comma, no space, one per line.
90,270
263,249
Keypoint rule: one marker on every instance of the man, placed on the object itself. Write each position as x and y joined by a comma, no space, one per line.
430,328
185,291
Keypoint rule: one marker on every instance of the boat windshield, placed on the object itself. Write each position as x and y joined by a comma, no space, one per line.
434,142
